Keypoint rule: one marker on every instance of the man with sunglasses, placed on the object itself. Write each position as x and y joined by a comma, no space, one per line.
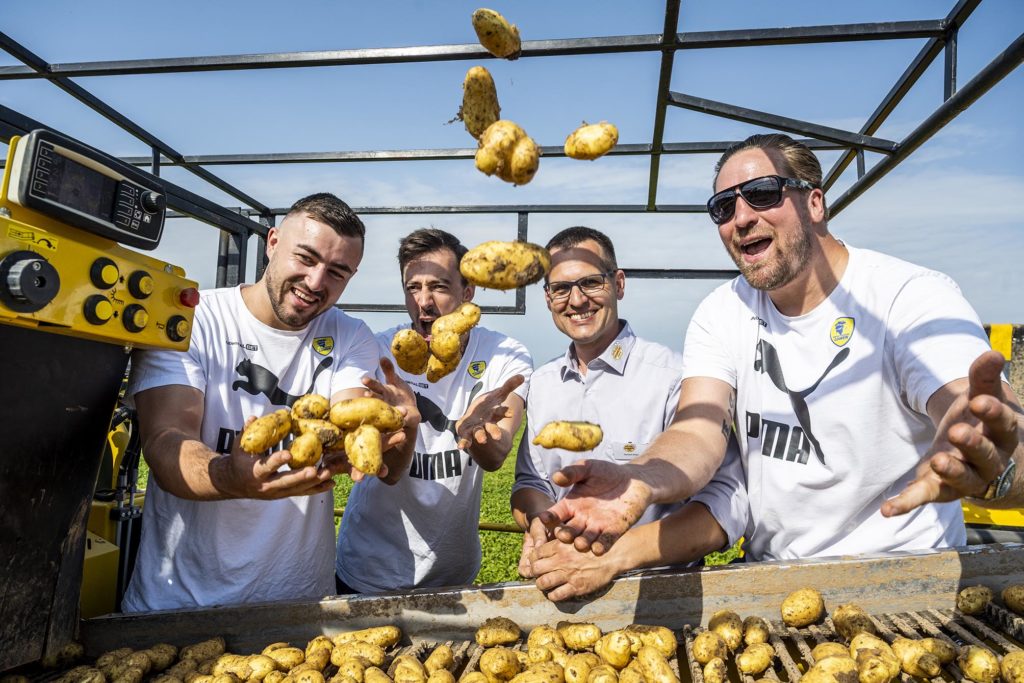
628,385
847,376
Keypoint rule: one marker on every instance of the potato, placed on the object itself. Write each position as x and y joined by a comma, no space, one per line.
824,650
496,34
578,636
264,433
1013,598
353,668
325,431
381,636
755,658
973,599
183,667
351,413
943,650
655,667
162,655
851,620
497,631
306,451
916,660
67,655
544,635
867,641
715,671
1012,667
660,638
978,664
832,670
78,674
440,658
614,648
590,141
410,351
602,673
803,607
132,674
310,407
755,630
507,151
319,643
106,659
543,672
408,669
459,321
370,653
505,265
286,657
306,676
578,666
375,675
570,436
441,676
728,625
279,676
446,346
480,106
499,663
364,449
876,666
261,665
708,645
471,677
438,369
634,674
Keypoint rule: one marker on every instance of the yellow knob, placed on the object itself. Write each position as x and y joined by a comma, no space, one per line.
98,309
109,275
104,310
135,318
140,284
140,318
104,273
182,329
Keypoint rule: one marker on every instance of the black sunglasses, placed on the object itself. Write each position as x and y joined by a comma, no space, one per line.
761,193
588,284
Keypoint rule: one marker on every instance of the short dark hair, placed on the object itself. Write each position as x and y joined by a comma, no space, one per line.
328,209
426,241
794,158
571,237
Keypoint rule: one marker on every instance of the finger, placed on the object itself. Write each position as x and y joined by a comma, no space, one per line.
603,543
510,385
464,444
481,434
356,475
984,377
493,431
538,532
268,465
563,592
586,539
574,473
980,463
550,580
566,533
374,386
551,517
389,369
919,492
1000,421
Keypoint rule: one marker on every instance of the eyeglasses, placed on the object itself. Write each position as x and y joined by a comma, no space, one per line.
588,284
760,193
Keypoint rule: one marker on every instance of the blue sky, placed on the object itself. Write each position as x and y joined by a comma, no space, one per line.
952,206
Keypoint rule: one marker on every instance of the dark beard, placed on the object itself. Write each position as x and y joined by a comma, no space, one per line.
781,273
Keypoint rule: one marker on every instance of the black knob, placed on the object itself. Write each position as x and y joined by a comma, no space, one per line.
28,282
135,318
178,328
150,201
140,284
104,273
97,309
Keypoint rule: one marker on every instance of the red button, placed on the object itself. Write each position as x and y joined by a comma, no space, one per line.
189,297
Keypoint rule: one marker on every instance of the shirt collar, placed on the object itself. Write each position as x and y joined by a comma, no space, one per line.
613,357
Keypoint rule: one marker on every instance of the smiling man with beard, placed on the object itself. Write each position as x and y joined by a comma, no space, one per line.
221,526
861,388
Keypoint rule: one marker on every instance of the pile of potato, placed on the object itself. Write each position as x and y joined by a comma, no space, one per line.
444,352
356,424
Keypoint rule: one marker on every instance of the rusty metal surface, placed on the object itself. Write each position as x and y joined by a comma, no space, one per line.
889,584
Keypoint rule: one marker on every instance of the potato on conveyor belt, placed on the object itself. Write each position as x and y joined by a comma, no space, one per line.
850,620
353,412
824,650
497,631
1012,667
755,630
615,648
441,658
410,351
727,624
916,660
505,265
708,645
580,636
570,436
979,664
832,670
715,671
496,34
499,663
1013,598
755,659
480,106
660,638
590,141
507,151
973,599
803,607
655,667
265,432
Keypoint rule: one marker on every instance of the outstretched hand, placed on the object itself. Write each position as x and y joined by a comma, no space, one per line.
480,423
604,501
973,443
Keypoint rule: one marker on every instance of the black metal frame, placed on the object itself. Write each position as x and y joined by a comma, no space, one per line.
239,226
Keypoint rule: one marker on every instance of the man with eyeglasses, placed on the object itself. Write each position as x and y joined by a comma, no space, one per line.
628,385
846,374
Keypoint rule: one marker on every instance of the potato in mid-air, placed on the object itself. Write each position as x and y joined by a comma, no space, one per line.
803,607
497,631
480,106
496,34
446,332
353,412
507,151
438,369
265,432
973,599
570,436
505,265
591,141
364,449
411,351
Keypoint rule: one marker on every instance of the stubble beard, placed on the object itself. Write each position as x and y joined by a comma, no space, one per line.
277,292
768,276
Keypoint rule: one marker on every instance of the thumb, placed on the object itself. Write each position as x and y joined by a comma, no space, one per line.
511,384
573,474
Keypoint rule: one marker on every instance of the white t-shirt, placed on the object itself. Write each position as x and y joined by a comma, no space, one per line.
203,553
422,531
831,405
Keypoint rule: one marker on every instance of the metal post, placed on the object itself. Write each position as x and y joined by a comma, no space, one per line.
524,224
860,163
949,76
155,164
231,258
261,245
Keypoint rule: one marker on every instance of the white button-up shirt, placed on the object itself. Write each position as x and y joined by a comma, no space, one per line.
632,391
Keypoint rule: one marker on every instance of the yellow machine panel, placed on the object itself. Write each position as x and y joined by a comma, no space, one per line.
101,560
100,289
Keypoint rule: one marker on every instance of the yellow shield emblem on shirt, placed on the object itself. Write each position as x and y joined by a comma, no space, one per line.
842,330
323,345
476,368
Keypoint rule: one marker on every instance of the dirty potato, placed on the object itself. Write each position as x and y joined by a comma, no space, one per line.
408,669
507,151
578,636
973,599
634,674
755,630
824,650
376,675
544,635
603,673
708,645
578,666
872,644
351,413
364,449
916,660
943,650
591,141
459,321
318,643
876,668
505,265
755,658
200,652
480,106
614,648
410,351
832,670
286,657
437,369
715,671
728,625
442,676
358,649
979,664
327,433
496,34
851,620
1012,667
655,667
570,436
264,433
306,451
67,655
440,658
803,607
310,407
162,655
1013,598
497,631
306,676
499,663
660,638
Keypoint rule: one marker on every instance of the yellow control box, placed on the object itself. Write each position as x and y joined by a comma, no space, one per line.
98,590
101,523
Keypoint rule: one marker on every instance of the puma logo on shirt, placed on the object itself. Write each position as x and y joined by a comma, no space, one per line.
259,380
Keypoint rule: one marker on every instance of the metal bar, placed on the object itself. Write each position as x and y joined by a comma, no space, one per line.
400,308
949,71
231,259
154,162
860,163
679,274
531,48
102,108
185,201
737,113
522,230
261,245
956,17
1004,63
660,105
519,208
